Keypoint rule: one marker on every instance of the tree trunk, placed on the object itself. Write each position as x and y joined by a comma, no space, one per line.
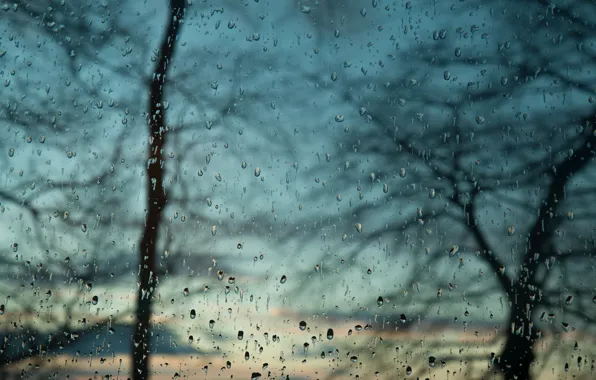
517,356
156,196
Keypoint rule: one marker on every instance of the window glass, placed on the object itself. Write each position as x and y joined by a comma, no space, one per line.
297,189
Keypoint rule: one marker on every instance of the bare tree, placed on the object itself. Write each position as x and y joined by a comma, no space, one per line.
476,155
156,195
91,199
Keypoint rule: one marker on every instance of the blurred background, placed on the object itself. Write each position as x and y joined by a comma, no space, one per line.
288,189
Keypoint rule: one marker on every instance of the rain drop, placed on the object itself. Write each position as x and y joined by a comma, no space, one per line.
431,361
380,301
330,334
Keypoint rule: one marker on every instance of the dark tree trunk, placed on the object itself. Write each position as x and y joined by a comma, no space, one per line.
518,355
156,197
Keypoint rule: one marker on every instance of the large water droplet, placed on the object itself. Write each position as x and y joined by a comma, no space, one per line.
330,334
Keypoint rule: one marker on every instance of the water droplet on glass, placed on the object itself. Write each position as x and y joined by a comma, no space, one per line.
193,314
240,335
565,326
283,279
185,292
339,118
257,171
95,300
431,361
402,173
358,227
330,334
380,301
302,325
211,323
